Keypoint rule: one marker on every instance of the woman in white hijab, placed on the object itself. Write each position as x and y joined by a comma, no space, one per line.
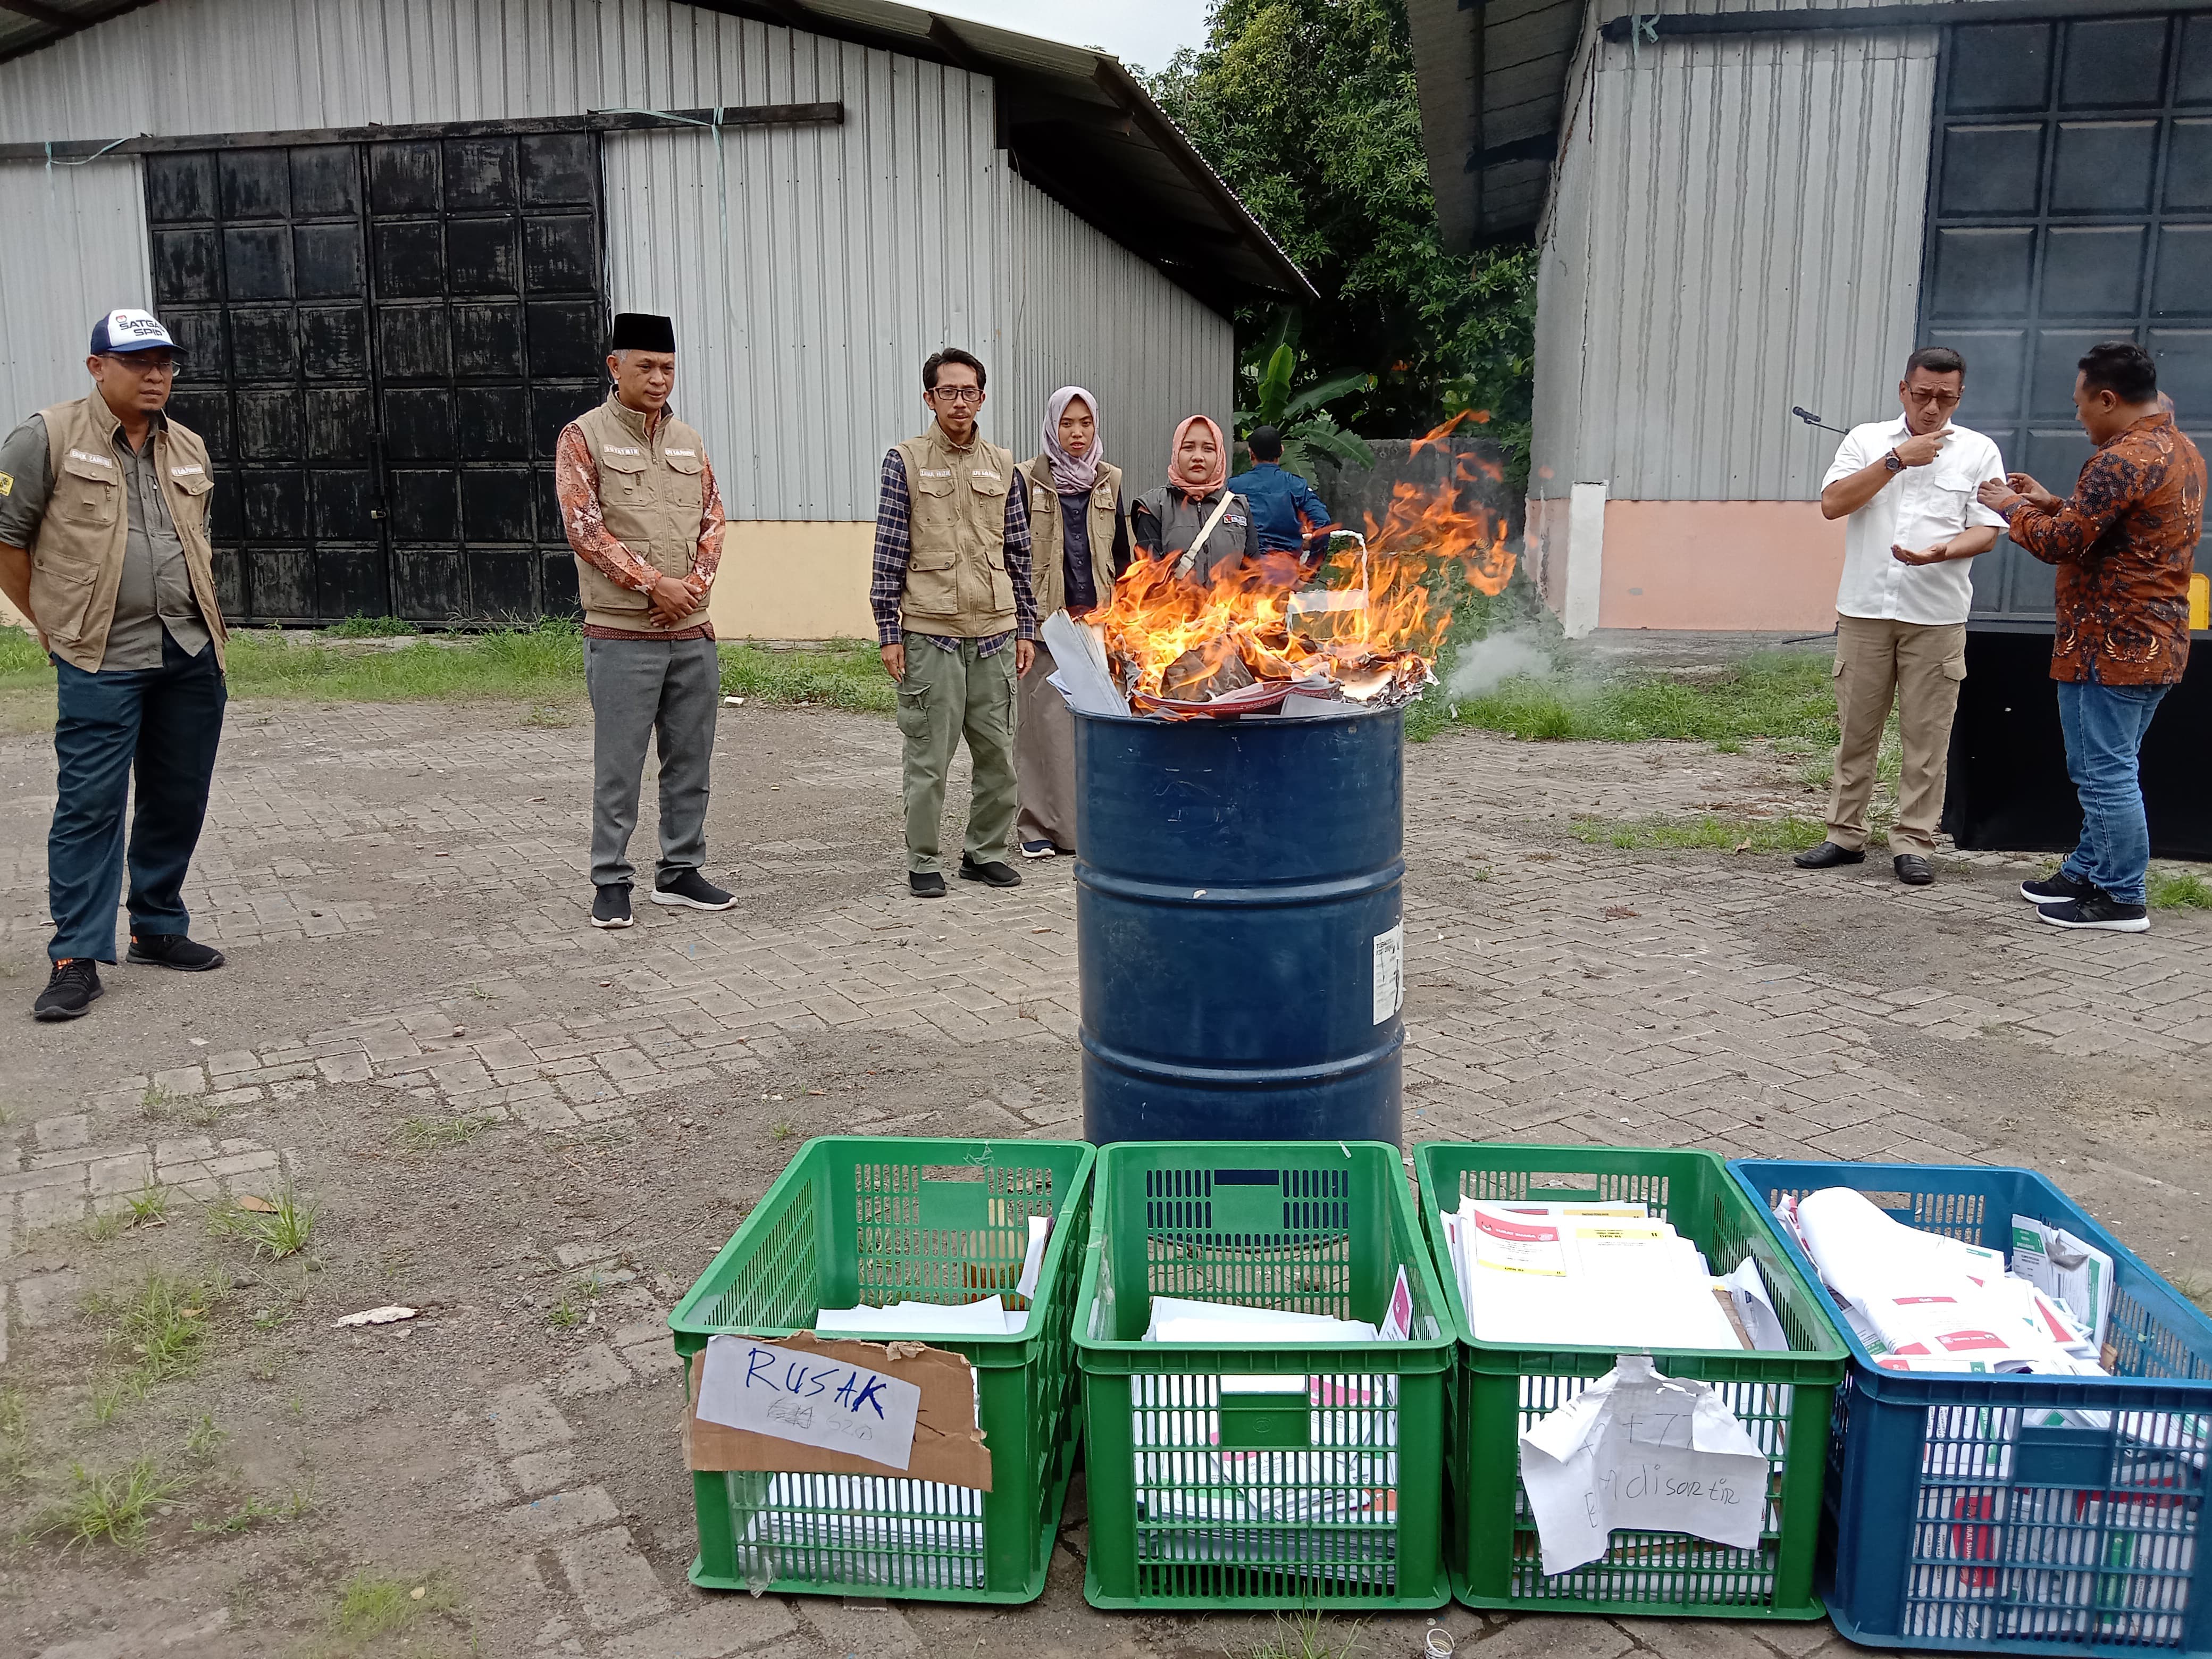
1079,544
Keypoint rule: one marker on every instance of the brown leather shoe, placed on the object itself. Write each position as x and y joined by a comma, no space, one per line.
1826,856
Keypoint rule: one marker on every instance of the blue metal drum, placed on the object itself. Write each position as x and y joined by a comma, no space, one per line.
1238,926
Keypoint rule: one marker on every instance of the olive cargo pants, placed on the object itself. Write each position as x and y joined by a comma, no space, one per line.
944,695
1918,668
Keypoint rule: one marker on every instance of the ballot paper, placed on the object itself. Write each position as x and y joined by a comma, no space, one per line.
988,1317
2071,1269
1747,1289
1033,1257
1079,667
1645,1452
1583,1274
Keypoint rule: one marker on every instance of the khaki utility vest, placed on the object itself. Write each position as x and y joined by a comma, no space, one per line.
651,492
957,583
1049,535
76,558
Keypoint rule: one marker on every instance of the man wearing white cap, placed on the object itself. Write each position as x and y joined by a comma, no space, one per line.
104,546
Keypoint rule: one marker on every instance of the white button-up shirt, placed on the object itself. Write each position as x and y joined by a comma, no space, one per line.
1919,508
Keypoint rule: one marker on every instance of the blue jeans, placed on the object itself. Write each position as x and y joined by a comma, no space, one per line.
2104,726
164,724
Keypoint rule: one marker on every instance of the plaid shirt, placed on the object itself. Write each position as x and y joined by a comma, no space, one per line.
895,548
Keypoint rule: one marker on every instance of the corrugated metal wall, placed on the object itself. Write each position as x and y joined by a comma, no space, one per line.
75,246
1747,237
810,270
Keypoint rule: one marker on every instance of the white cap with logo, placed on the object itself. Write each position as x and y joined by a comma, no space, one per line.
125,331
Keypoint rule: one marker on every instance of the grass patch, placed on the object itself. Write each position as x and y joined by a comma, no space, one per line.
372,1604
296,1502
162,1324
2179,889
150,1206
1724,834
14,1435
1772,694
430,1135
282,1229
844,674
358,626
1307,1636
113,1505
576,1303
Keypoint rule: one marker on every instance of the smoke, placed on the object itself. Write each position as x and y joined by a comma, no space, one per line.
1486,663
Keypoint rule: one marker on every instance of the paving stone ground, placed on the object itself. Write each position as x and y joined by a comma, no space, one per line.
539,1134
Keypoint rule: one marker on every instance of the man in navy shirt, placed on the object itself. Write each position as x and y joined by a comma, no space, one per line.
1289,517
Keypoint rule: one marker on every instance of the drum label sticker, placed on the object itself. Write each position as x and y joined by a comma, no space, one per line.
1389,973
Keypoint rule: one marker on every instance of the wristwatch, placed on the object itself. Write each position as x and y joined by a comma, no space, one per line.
1893,461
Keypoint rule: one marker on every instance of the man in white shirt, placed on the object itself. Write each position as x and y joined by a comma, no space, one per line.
1905,490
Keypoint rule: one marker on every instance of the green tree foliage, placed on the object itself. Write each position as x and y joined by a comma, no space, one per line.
1308,108
1309,431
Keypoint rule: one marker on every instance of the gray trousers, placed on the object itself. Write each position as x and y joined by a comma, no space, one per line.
1044,755
641,689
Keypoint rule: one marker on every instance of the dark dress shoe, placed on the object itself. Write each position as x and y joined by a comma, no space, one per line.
991,873
925,883
1912,870
1826,856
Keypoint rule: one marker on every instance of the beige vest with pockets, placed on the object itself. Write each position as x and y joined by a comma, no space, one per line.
1048,535
957,584
76,558
651,492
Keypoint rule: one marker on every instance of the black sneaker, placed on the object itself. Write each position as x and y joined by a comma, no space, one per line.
173,951
991,873
2057,888
691,890
2099,909
925,883
1038,849
74,987
610,907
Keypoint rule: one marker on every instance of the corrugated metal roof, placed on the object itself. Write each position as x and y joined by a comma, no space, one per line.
1077,124
1491,78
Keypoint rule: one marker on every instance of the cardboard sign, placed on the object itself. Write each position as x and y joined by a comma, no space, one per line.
804,1405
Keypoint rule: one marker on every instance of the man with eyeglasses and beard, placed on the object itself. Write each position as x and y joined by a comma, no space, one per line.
104,546
1905,490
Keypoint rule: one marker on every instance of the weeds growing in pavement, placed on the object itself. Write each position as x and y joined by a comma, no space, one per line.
112,1505
150,1206
156,1101
372,1604
1306,1635
575,1304
204,1439
162,1325
2179,889
1725,835
428,1134
296,1502
282,1229
14,1435
779,1131
106,1225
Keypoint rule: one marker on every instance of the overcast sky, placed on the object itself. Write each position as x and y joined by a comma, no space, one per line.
1143,32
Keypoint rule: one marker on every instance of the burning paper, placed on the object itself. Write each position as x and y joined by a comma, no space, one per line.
1364,629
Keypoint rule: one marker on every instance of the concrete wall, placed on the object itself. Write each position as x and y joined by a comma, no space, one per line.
810,271
1734,229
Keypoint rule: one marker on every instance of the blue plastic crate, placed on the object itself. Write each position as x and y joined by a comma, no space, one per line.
2016,1514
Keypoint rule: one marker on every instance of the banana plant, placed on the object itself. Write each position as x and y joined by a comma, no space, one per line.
1309,432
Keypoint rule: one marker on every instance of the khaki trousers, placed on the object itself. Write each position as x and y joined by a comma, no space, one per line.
1918,668
947,696
1044,754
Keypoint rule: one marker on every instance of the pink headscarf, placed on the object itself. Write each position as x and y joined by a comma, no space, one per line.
1220,473
1071,475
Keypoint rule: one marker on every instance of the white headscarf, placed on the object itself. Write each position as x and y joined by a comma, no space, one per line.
1071,475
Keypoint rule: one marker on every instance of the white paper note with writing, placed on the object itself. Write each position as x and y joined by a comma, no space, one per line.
1389,972
810,1398
1638,1450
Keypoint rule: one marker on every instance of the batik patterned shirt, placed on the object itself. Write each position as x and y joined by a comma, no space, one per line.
2125,544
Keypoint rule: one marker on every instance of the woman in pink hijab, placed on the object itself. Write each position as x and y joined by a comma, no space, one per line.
1080,546
1195,517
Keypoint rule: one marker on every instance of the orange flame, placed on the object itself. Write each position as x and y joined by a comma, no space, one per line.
1369,622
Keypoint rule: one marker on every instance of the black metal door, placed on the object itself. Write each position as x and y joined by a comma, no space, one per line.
384,339
2069,202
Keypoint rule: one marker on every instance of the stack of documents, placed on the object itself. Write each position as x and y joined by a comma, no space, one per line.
1599,1275
1198,1500
1920,1302
989,1317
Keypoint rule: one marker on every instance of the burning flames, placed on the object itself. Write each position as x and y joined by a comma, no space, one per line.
1366,627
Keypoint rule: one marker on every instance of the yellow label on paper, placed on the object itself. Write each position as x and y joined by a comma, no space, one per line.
7,483
2200,599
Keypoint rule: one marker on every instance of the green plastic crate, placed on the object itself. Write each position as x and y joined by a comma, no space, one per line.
854,1219
1207,1497
1784,1399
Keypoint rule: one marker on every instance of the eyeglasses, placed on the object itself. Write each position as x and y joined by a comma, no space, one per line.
958,394
138,365
1936,399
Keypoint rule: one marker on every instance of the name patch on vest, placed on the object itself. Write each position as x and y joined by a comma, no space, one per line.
616,449
686,453
937,472
980,473
97,460
185,471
